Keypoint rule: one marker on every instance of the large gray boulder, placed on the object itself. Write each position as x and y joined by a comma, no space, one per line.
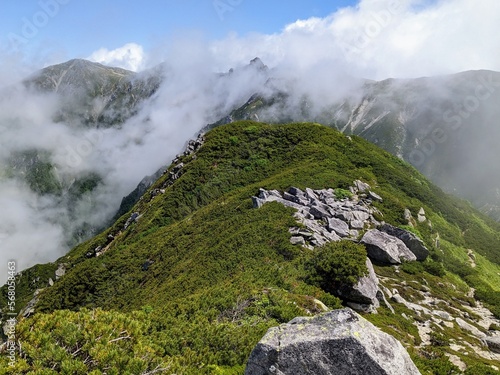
384,248
411,241
338,342
338,226
364,293
493,343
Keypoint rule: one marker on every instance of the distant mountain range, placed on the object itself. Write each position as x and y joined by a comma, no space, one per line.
94,94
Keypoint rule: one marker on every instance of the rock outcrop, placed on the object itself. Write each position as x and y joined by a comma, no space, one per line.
363,295
412,242
332,215
421,215
326,216
61,271
338,342
384,248
493,343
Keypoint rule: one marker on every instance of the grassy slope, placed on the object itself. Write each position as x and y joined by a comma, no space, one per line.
223,272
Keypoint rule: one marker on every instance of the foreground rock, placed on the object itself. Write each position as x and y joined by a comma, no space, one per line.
384,248
338,342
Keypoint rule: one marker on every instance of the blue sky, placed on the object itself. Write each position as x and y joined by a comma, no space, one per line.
76,28
369,38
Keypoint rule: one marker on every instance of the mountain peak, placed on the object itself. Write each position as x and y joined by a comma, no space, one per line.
257,63
75,73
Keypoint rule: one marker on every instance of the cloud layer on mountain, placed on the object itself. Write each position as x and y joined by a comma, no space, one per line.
378,39
36,228
130,56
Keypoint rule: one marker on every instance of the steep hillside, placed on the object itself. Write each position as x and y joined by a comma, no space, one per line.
192,277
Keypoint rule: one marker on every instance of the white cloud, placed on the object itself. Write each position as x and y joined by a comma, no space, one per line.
383,38
130,56
375,39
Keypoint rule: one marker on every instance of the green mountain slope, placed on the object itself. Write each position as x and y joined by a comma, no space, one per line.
192,277
445,126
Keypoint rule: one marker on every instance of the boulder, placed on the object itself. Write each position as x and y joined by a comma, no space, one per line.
338,342
296,191
327,196
374,196
332,237
344,215
263,194
312,225
284,202
443,315
469,327
384,248
318,240
407,214
61,271
319,212
360,215
297,240
421,216
361,186
310,194
411,241
357,224
257,202
338,226
493,343
290,197
364,292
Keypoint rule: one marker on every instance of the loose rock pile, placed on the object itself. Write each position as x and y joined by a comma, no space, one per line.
328,217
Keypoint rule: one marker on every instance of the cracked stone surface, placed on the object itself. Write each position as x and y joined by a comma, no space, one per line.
338,342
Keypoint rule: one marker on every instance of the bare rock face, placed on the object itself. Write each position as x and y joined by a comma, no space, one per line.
338,342
411,241
384,248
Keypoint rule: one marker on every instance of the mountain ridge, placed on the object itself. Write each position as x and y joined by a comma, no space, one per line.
198,262
442,125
